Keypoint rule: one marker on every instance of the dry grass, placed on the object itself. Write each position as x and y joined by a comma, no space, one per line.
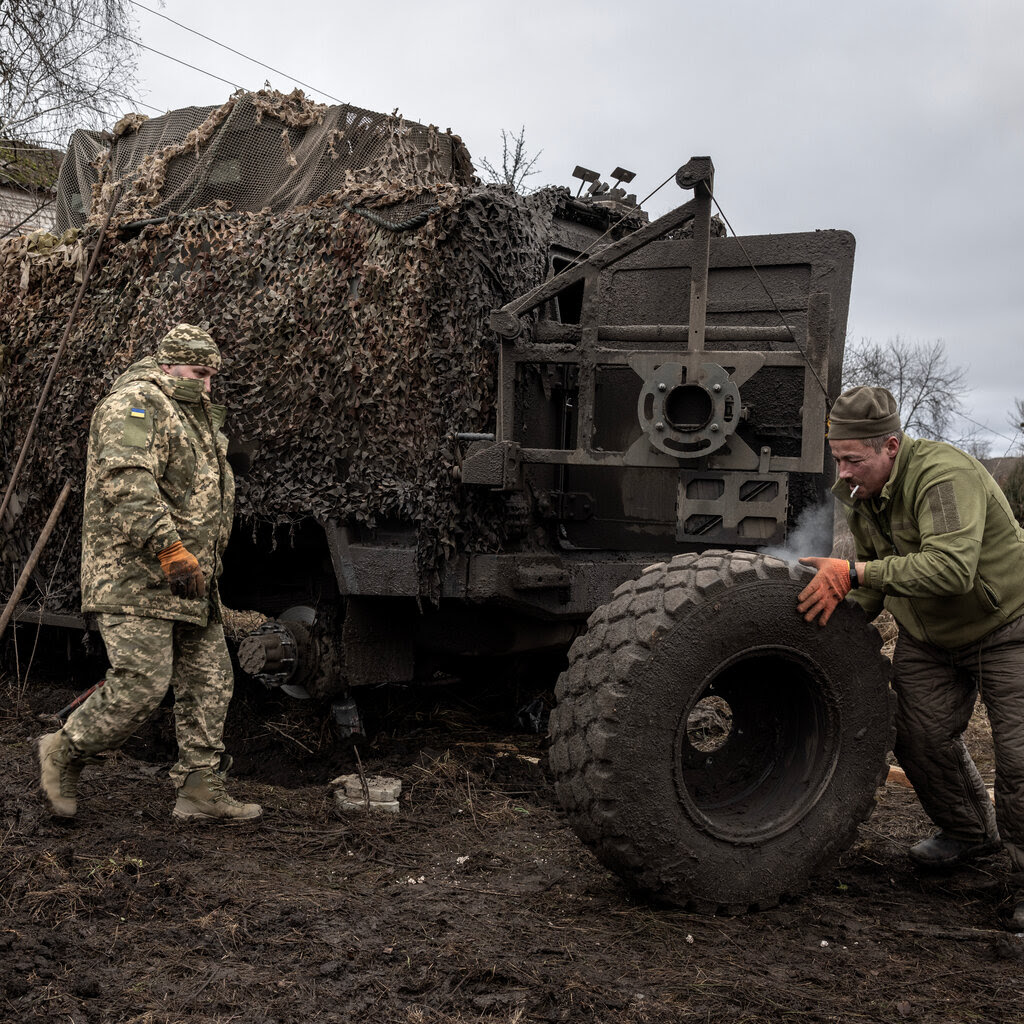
238,624
889,630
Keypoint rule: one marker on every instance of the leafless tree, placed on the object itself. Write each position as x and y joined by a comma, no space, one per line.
63,65
928,389
1014,446
1013,488
1016,424
516,164
1013,483
975,442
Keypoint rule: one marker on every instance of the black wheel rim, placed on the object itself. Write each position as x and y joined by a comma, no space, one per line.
766,762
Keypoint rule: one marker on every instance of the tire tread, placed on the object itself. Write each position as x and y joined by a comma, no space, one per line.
584,724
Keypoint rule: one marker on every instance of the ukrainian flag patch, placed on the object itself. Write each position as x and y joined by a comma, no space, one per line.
135,433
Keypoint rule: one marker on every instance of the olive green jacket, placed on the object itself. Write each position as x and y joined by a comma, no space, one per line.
944,553
156,473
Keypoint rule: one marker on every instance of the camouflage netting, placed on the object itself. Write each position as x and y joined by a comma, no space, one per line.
258,151
351,354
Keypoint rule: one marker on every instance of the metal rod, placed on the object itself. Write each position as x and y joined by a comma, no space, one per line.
699,267
505,321
26,444
551,332
33,558
80,699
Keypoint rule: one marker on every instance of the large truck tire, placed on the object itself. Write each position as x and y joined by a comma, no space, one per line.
710,746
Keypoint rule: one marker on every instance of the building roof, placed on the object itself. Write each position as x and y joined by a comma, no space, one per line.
28,166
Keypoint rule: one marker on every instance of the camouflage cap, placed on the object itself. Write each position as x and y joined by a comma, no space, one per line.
863,412
186,345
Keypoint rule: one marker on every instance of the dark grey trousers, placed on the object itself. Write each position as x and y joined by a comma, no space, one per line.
936,690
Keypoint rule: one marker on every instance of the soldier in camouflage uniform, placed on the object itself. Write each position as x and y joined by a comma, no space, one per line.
159,499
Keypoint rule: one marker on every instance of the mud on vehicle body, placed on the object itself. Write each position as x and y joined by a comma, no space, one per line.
654,398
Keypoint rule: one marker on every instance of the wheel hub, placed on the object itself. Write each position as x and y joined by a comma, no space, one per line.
757,745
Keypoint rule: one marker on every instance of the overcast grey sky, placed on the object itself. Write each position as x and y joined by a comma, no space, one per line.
902,122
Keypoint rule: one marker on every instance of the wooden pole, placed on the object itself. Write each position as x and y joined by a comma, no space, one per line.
33,558
56,361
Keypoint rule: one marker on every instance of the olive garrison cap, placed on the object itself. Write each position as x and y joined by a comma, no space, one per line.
186,345
863,412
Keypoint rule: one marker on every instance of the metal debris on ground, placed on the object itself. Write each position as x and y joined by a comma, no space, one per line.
372,793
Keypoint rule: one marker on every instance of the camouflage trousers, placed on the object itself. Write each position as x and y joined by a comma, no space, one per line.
148,656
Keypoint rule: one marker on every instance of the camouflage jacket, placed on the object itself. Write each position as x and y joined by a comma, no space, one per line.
156,473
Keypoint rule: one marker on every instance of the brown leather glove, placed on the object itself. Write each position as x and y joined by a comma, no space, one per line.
831,583
182,570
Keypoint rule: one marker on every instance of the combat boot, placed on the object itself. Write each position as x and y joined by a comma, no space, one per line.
60,765
202,797
943,851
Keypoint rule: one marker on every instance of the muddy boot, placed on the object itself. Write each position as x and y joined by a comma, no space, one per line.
60,764
943,851
202,797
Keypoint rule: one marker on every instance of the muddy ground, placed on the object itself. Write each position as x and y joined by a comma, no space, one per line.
475,904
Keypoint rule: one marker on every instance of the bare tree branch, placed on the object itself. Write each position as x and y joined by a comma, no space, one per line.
63,65
516,165
1015,422
929,391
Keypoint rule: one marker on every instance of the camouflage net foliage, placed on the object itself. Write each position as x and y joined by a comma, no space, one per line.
352,354
257,151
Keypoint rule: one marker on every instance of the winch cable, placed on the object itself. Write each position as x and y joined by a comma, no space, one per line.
771,298
27,443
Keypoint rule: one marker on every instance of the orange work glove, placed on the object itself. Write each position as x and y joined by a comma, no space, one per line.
182,570
831,583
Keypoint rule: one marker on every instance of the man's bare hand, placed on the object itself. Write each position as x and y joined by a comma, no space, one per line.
824,593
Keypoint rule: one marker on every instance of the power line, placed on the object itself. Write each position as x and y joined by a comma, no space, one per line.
185,63
983,426
152,49
238,53
193,67
156,110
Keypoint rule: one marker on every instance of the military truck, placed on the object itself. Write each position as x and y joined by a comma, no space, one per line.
471,423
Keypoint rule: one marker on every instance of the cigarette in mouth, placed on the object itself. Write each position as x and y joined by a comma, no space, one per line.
853,493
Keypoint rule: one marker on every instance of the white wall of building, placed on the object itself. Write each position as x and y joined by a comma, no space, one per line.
18,204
